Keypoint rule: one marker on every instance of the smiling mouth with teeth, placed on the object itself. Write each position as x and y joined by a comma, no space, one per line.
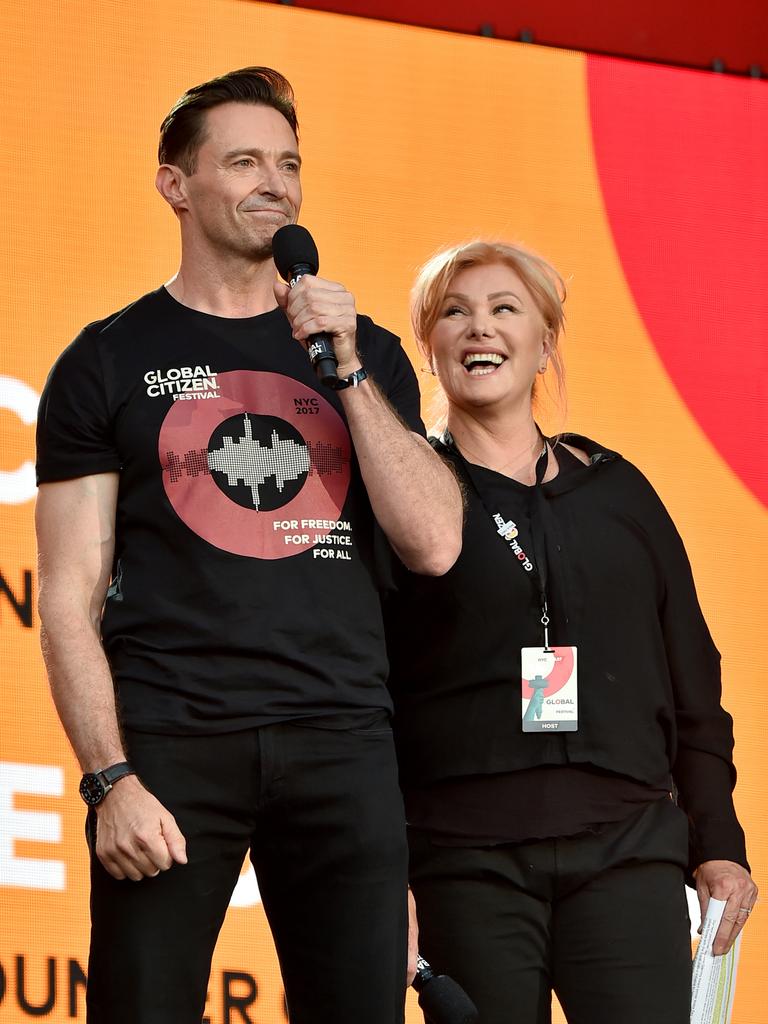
479,364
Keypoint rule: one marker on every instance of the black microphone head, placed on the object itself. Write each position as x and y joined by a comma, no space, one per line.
444,1001
292,245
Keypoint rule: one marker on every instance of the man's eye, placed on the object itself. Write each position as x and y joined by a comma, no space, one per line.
293,168
244,162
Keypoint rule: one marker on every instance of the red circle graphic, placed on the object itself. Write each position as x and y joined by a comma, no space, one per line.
206,509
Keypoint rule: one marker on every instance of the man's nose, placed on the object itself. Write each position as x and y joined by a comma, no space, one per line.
272,182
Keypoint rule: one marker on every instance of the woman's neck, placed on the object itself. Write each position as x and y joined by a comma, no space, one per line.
510,445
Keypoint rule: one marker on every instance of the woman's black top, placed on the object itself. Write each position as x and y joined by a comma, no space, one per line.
620,589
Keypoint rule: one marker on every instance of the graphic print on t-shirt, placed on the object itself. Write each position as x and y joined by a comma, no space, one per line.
260,462
263,471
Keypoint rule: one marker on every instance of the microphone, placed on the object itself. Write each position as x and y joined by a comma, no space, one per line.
442,999
295,254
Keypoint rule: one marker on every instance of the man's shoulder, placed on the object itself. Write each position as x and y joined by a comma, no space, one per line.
379,348
101,341
146,307
369,330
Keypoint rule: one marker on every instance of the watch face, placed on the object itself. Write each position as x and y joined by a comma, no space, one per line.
91,789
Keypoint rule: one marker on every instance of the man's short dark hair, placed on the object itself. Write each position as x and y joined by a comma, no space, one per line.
182,133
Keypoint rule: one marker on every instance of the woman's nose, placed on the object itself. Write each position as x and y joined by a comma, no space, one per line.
480,327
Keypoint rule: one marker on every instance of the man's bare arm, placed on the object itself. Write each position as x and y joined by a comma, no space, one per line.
75,521
413,494
75,534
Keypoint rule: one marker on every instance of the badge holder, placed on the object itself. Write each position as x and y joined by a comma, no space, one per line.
550,695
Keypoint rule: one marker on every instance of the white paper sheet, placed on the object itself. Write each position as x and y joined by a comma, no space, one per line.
714,977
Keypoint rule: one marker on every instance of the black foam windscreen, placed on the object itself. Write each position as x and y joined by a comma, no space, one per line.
293,246
445,1002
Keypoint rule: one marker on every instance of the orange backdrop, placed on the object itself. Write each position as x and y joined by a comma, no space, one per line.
646,187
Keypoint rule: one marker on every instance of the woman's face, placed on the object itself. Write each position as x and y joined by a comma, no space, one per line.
489,340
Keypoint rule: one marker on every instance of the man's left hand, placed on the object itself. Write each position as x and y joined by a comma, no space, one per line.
725,880
315,306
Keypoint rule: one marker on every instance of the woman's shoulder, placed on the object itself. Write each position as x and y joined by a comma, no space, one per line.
625,477
584,448
579,453
596,455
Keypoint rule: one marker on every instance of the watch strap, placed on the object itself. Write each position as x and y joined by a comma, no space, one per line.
354,380
114,773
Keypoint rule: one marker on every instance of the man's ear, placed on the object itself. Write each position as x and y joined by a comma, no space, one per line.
170,182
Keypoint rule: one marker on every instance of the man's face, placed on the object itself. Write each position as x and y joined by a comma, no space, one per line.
246,183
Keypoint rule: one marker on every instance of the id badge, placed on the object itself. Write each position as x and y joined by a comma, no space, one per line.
550,696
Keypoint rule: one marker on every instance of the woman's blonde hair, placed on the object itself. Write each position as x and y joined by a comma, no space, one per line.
540,278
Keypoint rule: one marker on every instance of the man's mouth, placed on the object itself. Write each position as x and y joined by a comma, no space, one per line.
266,209
480,364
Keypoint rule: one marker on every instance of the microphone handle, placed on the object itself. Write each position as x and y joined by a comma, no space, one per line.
323,358
319,346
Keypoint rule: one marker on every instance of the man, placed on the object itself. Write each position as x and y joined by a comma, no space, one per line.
209,549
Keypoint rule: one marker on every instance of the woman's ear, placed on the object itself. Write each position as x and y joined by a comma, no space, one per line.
426,351
546,349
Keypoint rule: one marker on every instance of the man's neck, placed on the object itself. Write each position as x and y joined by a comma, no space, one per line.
236,288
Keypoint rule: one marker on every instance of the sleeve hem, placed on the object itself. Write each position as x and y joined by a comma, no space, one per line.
55,474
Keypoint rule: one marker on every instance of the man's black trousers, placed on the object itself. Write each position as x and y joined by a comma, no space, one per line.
322,815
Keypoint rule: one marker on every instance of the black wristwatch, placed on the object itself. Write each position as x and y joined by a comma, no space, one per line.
94,786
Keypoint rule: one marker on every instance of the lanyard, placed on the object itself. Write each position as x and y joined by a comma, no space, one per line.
506,530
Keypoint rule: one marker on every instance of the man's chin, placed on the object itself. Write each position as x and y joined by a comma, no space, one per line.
261,252
252,245
267,246
258,247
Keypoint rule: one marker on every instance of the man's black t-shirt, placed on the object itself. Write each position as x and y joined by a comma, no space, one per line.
245,583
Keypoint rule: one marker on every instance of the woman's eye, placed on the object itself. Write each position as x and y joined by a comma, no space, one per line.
453,311
505,307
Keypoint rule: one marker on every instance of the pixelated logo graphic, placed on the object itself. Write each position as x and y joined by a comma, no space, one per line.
269,450
260,462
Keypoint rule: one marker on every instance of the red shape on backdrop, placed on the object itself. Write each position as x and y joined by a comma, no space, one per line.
682,158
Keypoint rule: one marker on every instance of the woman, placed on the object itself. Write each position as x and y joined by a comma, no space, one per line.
546,850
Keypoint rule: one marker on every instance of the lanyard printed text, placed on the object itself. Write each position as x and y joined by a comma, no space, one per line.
508,531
